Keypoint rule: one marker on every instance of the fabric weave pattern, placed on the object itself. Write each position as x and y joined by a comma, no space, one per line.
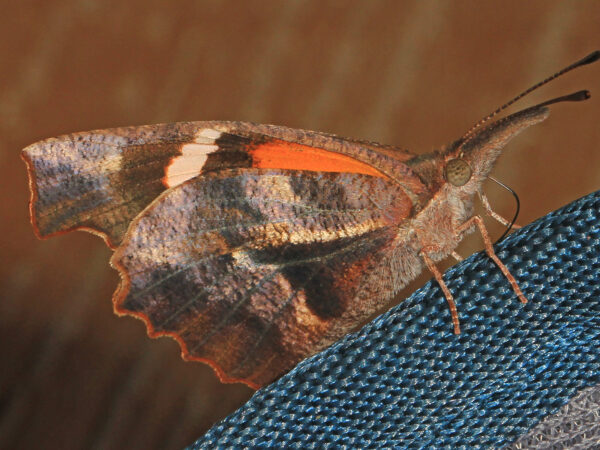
405,380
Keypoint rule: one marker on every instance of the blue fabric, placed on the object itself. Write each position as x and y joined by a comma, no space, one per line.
406,380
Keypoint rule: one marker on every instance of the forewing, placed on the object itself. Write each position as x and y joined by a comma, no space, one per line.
100,180
252,270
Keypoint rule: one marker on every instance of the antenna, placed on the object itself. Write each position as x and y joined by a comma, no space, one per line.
592,57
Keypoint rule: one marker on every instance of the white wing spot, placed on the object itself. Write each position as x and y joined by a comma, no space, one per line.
209,133
192,158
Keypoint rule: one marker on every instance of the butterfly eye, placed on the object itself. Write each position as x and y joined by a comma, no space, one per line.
457,172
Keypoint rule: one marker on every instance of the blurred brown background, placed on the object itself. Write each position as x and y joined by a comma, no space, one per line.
413,73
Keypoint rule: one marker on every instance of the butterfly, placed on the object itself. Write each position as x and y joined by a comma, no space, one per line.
255,246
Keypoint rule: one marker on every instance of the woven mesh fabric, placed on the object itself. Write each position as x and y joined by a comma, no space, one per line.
406,380
576,426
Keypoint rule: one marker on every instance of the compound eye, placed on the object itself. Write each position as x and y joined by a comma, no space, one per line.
457,172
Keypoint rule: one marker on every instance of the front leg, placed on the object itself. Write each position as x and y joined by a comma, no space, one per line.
489,249
488,208
438,276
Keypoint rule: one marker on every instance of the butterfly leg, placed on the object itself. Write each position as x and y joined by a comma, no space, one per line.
489,249
456,256
438,276
488,209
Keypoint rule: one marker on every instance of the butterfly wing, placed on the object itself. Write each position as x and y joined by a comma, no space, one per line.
252,270
253,246
99,181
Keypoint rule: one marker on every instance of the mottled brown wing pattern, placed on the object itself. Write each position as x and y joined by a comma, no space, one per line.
253,270
252,245
99,181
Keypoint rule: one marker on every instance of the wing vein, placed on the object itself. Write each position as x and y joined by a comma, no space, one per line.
280,310
206,258
224,321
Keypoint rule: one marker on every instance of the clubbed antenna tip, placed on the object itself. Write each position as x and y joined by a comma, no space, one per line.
592,57
578,96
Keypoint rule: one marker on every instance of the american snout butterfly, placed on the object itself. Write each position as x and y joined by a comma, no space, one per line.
255,246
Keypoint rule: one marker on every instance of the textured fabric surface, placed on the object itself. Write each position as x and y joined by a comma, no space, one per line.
406,380
575,426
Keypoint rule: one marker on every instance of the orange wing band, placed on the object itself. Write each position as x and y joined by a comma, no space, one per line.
287,155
